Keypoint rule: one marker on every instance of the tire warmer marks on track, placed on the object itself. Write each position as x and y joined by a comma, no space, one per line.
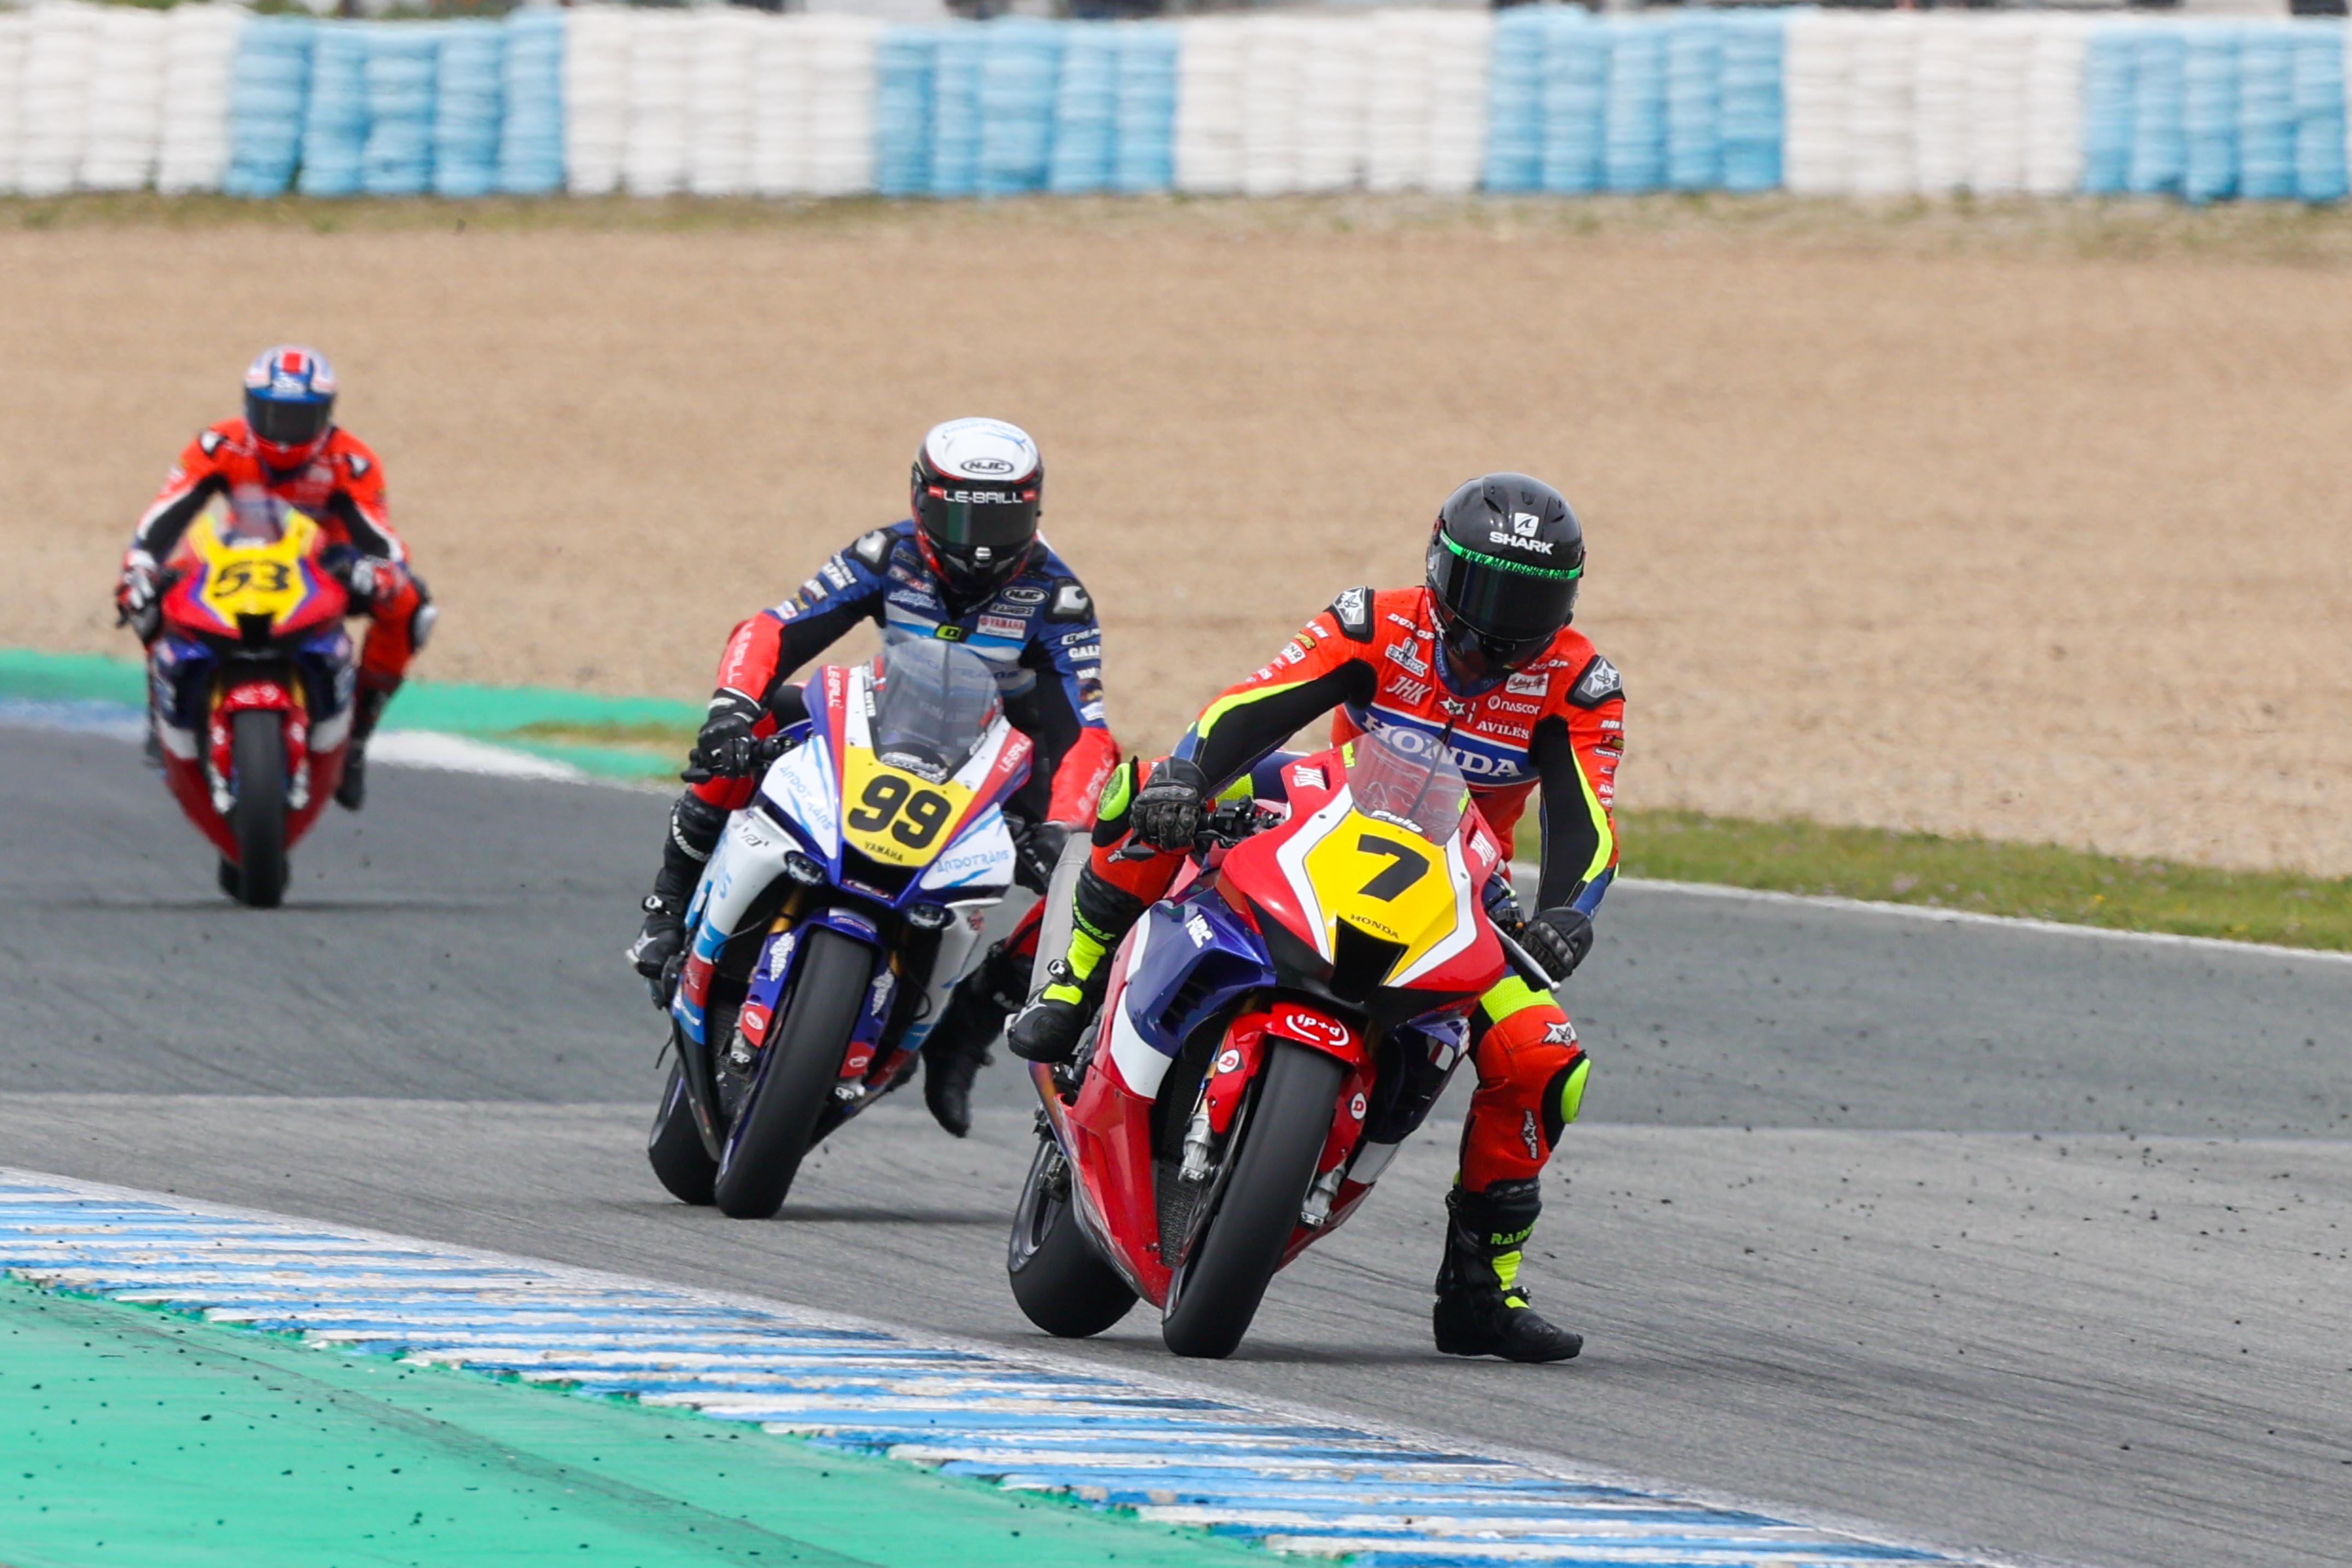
1292,1487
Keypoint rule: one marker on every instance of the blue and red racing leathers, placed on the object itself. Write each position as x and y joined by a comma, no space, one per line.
1038,631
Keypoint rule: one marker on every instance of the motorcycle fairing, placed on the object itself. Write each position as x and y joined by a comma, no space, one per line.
223,583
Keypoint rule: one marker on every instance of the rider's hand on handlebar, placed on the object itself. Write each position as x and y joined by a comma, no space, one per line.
1558,939
725,747
135,595
1167,811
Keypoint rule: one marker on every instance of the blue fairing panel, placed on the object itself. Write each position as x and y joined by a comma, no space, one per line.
1199,956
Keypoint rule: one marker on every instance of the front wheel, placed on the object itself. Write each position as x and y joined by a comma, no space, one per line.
257,816
674,1149
1216,1290
799,1064
1061,1281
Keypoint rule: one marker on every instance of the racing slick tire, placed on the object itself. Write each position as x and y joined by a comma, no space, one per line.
777,1122
674,1147
1216,1290
1060,1281
258,817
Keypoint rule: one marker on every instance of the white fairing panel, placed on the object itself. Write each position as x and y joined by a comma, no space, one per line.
978,862
1139,1063
801,786
748,860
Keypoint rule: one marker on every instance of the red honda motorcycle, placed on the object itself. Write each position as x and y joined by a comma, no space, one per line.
1271,1033
251,677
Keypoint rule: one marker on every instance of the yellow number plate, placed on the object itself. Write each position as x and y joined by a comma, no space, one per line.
1393,883
894,817
255,578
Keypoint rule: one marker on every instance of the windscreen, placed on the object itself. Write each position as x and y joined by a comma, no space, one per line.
1410,783
253,517
933,704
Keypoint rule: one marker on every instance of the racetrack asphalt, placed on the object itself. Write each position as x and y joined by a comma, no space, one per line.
2040,1244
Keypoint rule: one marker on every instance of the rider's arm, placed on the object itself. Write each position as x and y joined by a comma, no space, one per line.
771,645
1063,713
357,500
1576,749
1323,667
194,480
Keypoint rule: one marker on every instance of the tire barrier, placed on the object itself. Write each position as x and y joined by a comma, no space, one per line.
599,99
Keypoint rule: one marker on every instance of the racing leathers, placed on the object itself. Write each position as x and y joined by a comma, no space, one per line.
1372,661
1038,633
341,487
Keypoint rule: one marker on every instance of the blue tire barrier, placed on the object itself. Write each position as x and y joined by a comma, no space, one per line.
1515,82
1086,111
1576,103
2319,112
469,100
401,61
2266,113
904,62
2110,112
1754,108
2208,114
2159,146
1636,152
335,120
955,109
268,94
1021,60
1144,152
1694,100
530,124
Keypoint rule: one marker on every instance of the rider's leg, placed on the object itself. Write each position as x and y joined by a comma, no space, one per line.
957,1048
1531,1076
403,619
1110,896
695,824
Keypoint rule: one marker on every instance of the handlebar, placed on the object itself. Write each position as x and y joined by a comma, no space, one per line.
1222,827
1524,962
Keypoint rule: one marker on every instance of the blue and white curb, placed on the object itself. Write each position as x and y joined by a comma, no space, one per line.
1293,1484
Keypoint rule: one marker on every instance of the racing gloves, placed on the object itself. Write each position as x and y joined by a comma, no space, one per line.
725,749
1167,813
135,597
1558,939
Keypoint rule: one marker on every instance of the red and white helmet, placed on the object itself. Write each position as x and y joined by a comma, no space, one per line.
290,404
977,484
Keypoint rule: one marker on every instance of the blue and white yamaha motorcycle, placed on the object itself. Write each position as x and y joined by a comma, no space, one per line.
835,917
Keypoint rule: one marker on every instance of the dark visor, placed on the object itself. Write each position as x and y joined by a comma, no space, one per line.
964,517
1506,600
287,423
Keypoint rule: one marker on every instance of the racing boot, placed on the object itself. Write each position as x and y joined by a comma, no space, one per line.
658,952
1047,1029
367,706
1481,1310
955,1051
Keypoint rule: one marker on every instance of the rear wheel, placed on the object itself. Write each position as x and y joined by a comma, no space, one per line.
1061,1281
674,1147
257,816
1216,1290
802,1063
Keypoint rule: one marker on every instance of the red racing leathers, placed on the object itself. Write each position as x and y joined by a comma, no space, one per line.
341,488
1371,661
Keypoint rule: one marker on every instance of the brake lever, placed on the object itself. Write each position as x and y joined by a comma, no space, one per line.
1522,960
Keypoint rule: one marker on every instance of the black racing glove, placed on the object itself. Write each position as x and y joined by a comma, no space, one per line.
1036,853
725,749
1166,811
1558,939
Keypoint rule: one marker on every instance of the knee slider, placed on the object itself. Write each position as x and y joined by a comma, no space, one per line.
695,825
1563,1097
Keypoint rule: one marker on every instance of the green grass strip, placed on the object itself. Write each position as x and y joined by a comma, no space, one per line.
646,737
145,1439
1985,877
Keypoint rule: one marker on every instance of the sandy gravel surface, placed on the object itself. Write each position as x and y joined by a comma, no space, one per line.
1995,536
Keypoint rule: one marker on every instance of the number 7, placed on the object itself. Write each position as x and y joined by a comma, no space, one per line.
1407,865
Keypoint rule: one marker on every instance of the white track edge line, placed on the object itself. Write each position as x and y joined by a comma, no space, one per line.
1556,1467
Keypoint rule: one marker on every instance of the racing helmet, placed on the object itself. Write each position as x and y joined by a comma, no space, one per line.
290,404
975,503
1506,559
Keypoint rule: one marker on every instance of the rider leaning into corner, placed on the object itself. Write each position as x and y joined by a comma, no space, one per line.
1481,661
968,566
288,445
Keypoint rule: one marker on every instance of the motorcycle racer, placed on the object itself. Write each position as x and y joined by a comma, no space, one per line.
288,445
967,565
1481,662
